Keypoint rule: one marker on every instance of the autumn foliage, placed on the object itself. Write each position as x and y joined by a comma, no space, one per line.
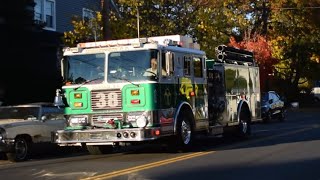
262,54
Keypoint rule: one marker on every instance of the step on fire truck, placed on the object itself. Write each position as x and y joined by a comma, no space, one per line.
112,97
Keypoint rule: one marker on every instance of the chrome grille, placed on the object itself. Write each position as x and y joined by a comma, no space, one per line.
106,99
101,119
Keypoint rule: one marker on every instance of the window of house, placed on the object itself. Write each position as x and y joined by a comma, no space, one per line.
44,12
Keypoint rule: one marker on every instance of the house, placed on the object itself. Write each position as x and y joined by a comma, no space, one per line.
32,32
56,15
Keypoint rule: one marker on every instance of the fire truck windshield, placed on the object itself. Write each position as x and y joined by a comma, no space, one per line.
132,66
84,68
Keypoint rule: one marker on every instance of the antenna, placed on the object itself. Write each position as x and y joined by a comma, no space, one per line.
138,24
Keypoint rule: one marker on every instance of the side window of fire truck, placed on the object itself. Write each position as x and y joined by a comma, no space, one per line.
198,70
187,66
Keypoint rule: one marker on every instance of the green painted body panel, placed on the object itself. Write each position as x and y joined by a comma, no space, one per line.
85,100
146,97
151,97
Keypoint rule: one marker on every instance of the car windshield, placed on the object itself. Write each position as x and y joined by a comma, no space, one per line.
30,112
12,112
265,97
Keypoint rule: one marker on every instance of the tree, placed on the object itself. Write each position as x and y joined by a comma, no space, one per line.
286,30
262,54
295,41
84,30
155,18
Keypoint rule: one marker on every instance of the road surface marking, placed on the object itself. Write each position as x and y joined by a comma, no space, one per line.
146,166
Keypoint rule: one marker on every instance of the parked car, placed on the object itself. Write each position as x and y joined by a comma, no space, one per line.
272,107
26,128
315,93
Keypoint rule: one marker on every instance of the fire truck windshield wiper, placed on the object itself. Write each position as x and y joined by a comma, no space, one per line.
125,79
88,81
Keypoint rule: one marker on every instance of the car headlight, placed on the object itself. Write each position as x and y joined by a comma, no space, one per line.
78,121
2,134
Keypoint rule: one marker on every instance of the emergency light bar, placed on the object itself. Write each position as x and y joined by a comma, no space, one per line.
112,43
171,40
176,40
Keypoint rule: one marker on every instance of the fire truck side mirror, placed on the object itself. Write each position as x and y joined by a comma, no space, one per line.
169,63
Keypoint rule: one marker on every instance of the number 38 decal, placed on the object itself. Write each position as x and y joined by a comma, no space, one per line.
107,100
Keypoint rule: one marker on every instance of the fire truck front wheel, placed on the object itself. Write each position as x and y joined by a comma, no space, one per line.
184,136
98,150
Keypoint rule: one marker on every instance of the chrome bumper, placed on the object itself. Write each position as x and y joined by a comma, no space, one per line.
104,136
7,146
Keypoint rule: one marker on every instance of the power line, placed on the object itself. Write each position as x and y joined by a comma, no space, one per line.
292,8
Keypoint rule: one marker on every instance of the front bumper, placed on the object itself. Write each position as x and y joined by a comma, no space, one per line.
7,146
104,136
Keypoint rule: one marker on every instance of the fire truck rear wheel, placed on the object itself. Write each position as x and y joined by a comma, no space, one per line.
98,150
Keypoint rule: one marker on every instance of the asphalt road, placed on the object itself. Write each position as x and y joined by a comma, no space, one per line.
277,150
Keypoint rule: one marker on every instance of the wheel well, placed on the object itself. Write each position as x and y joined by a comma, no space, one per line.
185,108
25,136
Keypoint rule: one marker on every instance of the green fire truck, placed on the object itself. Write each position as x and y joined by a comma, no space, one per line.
111,97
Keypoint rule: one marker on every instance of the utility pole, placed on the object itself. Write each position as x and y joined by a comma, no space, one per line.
265,16
138,22
106,7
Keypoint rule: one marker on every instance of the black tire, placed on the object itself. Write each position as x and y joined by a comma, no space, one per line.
22,149
282,115
244,127
3,156
268,117
183,139
98,150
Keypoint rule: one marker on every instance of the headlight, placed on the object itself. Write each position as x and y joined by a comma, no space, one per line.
2,134
142,121
78,121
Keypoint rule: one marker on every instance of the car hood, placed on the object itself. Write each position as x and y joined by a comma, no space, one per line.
13,122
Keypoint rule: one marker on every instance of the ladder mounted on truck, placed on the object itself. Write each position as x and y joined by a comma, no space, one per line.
233,55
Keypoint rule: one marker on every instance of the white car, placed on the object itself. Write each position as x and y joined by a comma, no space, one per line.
24,127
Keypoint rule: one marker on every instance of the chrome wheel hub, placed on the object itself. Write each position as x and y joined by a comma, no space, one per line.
185,132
